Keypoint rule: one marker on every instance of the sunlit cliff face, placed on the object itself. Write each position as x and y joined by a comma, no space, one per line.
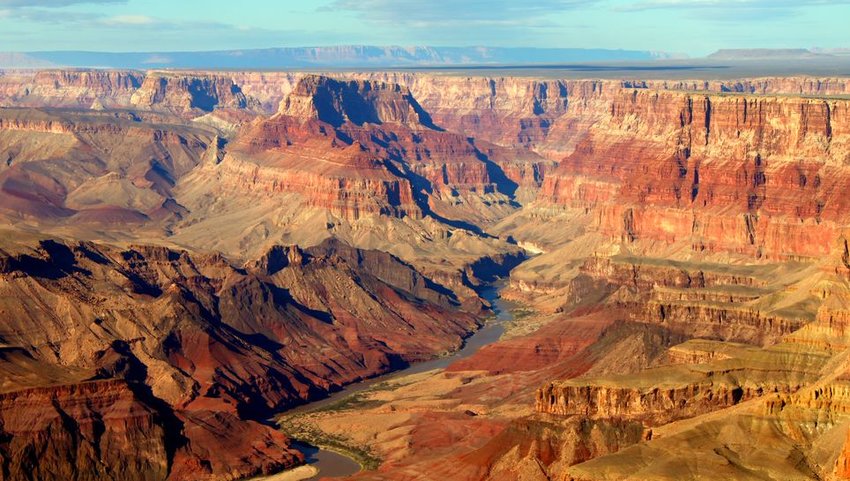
187,254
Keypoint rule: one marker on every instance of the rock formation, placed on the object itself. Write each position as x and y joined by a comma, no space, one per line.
69,88
187,94
107,348
719,173
185,254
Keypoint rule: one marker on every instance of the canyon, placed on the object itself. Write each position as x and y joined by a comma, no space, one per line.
188,256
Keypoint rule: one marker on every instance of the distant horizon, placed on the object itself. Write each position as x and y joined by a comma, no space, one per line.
341,45
695,27
520,62
661,54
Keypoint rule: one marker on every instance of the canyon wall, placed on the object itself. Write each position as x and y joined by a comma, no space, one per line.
180,94
842,469
381,154
656,405
690,241
150,363
499,109
802,86
743,168
69,88
759,176
99,428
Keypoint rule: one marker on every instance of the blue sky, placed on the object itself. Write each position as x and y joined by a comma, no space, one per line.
695,27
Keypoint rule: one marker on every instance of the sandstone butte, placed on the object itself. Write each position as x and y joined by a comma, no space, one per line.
185,255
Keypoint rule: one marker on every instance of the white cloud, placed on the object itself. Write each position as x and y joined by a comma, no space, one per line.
53,3
439,12
730,5
135,20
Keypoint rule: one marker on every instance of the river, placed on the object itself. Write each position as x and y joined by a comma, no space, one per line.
332,464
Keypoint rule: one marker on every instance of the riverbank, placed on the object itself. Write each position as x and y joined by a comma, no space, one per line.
335,455
301,473
309,436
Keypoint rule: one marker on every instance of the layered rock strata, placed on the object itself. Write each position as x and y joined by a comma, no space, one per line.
759,176
182,356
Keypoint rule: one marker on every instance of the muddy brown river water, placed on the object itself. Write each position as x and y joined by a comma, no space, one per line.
333,464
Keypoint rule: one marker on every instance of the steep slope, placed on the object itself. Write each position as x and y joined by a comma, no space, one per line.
186,95
689,289
80,168
760,176
712,217
110,347
339,158
358,160
507,109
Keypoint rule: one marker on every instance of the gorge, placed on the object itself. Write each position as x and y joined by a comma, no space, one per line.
189,256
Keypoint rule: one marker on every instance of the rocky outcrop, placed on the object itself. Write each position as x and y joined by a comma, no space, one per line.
655,405
89,430
813,86
695,300
646,274
187,94
357,101
829,330
832,399
545,447
508,111
267,89
728,322
505,111
379,151
369,190
114,427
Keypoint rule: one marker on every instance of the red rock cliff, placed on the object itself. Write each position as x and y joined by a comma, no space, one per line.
761,176
371,149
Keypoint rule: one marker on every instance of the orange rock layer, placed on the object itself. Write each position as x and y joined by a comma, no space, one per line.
652,405
761,176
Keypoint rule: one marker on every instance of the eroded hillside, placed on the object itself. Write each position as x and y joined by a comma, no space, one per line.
187,254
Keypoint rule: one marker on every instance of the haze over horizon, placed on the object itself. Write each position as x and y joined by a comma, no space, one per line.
695,28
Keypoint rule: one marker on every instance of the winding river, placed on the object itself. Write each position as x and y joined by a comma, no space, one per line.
333,464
